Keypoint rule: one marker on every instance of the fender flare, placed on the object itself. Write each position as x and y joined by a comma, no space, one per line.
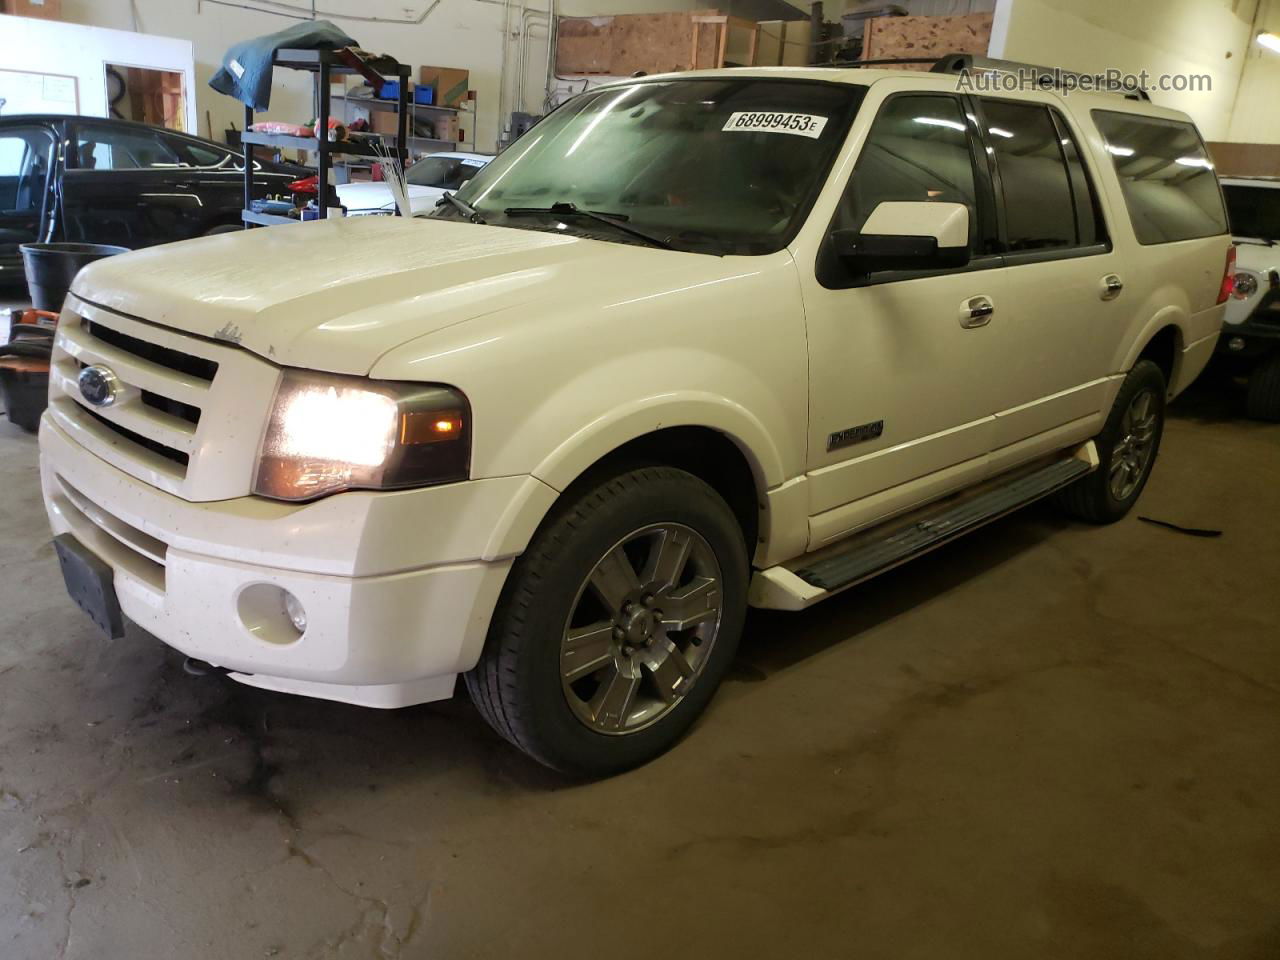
596,440
1170,316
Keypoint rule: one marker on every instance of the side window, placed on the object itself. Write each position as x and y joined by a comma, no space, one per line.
1039,209
24,163
106,148
198,154
918,149
1167,178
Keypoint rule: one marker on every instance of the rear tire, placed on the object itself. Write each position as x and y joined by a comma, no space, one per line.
1263,401
584,670
1127,448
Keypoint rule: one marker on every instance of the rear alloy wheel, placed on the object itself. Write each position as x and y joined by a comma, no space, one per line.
1127,448
617,624
1132,454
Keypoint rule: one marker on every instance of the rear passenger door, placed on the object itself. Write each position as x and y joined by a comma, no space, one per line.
1062,313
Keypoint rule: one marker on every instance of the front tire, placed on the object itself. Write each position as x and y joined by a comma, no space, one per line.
1263,399
1127,448
617,624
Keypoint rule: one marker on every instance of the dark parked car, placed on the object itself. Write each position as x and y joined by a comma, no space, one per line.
90,180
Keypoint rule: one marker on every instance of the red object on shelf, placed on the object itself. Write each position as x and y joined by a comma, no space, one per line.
306,185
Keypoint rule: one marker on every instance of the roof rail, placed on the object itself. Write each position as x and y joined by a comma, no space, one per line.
1049,77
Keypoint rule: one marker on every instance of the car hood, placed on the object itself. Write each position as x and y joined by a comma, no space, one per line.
337,294
1257,255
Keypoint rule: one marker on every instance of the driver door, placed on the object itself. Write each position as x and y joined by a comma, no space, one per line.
905,367
26,157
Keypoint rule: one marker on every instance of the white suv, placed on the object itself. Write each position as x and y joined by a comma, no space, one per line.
1251,327
696,342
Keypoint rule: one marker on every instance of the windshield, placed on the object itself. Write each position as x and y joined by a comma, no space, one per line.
1253,211
717,165
448,173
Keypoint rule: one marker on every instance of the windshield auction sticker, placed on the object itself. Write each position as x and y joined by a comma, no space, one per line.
801,124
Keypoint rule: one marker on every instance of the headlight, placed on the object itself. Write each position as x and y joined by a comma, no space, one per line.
1246,286
329,433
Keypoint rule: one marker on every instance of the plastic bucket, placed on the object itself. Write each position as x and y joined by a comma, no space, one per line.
51,267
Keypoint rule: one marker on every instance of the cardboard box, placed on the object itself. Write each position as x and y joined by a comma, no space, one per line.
384,121
450,83
45,9
446,127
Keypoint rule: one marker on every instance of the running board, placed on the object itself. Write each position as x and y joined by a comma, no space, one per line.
804,581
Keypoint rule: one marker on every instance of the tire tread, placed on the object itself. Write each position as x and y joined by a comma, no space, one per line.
1263,400
492,683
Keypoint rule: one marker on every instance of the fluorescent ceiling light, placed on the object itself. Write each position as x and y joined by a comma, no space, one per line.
1270,40
939,122
1120,151
1000,132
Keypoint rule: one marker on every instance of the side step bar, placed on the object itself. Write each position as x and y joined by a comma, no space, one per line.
804,581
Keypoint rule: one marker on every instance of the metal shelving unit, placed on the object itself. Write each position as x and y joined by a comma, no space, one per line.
374,103
324,64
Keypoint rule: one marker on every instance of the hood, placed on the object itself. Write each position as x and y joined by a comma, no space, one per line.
337,294
1257,255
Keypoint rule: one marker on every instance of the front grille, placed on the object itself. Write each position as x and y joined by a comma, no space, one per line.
169,453
174,408
187,414
193,366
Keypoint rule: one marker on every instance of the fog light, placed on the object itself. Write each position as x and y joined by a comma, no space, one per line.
271,613
293,607
1235,343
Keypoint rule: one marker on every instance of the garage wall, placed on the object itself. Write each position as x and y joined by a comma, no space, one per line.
1162,36
463,33
86,52
1256,118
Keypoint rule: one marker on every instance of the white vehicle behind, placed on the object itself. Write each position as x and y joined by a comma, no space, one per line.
1251,329
428,179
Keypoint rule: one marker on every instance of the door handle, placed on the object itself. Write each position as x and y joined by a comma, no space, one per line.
1111,287
976,312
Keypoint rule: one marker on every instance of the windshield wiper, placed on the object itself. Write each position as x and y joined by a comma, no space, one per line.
461,206
615,220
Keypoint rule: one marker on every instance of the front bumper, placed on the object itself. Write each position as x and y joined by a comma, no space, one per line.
1258,333
398,587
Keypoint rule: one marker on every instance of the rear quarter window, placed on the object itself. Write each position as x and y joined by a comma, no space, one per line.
1167,178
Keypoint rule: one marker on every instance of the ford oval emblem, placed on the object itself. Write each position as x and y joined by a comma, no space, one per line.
99,386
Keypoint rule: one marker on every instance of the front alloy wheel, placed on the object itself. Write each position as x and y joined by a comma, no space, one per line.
617,623
642,628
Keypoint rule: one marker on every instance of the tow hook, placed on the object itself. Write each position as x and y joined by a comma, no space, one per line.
199,668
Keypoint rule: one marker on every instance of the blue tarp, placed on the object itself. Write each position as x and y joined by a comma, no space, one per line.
246,67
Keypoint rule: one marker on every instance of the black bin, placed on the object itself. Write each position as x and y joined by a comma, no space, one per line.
51,267
25,394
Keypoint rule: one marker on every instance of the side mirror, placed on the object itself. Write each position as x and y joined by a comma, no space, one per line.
907,235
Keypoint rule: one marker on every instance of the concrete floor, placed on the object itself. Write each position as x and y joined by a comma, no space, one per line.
1047,741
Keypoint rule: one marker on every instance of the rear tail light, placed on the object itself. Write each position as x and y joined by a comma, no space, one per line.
1228,276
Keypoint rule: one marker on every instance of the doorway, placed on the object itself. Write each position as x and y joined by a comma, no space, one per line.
146,95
